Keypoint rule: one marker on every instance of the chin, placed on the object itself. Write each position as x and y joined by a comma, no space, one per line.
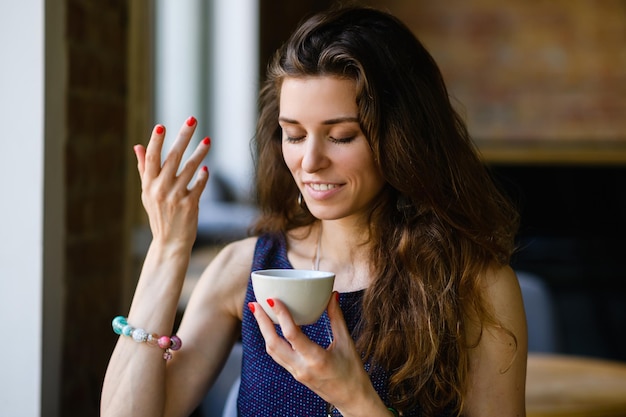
327,213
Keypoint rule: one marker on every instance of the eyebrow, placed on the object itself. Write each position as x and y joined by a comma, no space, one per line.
346,119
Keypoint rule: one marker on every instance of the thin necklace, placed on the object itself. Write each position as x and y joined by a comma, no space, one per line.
318,251
316,267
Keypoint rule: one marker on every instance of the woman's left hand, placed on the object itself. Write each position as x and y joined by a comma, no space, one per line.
336,373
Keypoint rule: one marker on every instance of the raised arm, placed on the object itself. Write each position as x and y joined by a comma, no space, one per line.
136,382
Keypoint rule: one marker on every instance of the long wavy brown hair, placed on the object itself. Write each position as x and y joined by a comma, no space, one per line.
440,221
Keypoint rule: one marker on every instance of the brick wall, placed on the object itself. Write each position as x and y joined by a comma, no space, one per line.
97,168
549,71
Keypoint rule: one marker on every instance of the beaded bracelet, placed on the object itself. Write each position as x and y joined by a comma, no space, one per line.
122,328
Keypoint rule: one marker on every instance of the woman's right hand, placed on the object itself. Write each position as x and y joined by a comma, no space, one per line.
169,199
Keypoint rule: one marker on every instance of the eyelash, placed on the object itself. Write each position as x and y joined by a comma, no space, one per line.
291,139
349,139
342,140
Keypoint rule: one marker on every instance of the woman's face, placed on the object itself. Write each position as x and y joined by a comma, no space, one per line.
324,147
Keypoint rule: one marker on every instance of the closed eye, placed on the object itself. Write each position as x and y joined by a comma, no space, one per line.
296,139
342,140
292,139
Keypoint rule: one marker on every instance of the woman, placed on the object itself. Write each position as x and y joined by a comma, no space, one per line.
363,169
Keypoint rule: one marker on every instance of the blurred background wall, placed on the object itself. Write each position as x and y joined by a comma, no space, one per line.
541,84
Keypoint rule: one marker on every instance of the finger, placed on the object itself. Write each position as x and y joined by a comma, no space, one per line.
291,331
140,154
308,362
152,155
176,152
337,321
194,161
277,347
203,177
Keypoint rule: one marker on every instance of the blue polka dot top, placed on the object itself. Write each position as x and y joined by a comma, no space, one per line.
267,389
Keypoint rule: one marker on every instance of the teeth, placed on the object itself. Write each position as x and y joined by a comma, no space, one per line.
323,187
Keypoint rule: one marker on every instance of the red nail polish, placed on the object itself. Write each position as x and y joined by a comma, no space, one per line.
270,302
159,129
207,141
205,168
337,296
191,121
251,307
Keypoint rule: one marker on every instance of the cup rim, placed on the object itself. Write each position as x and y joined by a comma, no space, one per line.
287,273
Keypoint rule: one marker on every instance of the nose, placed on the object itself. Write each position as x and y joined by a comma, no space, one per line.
314,157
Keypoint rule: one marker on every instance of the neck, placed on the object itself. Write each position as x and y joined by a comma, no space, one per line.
344,251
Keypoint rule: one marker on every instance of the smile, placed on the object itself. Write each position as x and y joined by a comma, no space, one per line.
322,187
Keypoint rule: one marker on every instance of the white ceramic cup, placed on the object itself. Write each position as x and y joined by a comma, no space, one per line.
306,293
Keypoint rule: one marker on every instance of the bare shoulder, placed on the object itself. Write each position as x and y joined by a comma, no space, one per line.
225,279
498,364
502,292
236,256
502,287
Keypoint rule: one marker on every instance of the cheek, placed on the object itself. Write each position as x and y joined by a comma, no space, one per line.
373,178
372,173
290,157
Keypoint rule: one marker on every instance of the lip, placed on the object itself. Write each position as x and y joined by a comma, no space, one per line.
322,193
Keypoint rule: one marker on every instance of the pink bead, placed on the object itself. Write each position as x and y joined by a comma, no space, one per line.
164,342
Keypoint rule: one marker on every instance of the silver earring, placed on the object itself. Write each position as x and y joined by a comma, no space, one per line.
301,201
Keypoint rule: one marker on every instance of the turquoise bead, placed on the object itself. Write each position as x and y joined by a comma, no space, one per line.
118,324
127,330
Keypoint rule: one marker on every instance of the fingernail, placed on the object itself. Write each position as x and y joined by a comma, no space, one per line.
337,296
270,302
191,121
207,141
159,129
136,148
205,168
251,306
